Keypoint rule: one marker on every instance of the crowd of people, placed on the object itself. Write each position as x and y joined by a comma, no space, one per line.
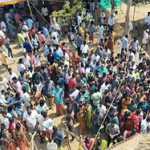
91,82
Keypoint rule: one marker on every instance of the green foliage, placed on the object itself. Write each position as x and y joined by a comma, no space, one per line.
69,11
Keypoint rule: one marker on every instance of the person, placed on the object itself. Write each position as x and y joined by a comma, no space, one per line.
84,84
59,99
113,131
85,49
92,30
89,143
20,138
147,20
125,44
27,46
82,120
111,22
145,38
9,49
45,12
134,45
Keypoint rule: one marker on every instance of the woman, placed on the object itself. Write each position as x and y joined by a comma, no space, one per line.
21,139
59,100
82,120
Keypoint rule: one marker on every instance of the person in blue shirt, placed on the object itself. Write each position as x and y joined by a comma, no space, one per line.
45,32
29,23
27,46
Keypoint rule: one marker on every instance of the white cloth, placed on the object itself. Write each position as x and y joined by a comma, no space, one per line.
52,146
144,126
145,37
147,20
55,37
44,11
85,49
2,34
21,68
31,120
74,94
111,20
101,32
79,20
47,124
125,43
3,26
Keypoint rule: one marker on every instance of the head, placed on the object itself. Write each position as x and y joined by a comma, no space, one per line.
14,79
42,103
9,70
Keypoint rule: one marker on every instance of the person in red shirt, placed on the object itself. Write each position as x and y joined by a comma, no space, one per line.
135,117
72,84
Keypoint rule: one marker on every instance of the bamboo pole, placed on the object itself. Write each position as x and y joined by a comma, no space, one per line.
30,10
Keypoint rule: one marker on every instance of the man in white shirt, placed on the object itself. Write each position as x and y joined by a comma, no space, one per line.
55,37
135,45
147,19
31,118
47,124
79,19
85,48
74,94
111,22
125,43
146,37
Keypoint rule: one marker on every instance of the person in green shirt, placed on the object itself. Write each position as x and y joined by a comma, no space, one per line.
59,99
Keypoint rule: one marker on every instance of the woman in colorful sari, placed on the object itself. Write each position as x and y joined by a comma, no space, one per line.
89,116
59,100
20,138
82,120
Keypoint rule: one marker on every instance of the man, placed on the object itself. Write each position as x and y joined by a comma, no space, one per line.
11,75
146,38
134,46
113,131
111,22
125,45
55,37
84,49
27,46
45,12
147,20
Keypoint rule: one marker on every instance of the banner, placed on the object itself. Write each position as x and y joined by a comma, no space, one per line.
9,2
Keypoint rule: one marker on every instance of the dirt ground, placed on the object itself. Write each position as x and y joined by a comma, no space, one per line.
140,12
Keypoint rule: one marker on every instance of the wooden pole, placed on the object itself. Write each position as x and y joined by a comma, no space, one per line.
127,20
30,10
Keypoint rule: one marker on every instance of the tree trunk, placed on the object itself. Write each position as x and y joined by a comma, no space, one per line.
127,20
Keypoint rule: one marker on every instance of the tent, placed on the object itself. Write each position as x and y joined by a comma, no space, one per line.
9,2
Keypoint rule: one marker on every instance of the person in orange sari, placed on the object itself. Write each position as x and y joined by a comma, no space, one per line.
20,138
